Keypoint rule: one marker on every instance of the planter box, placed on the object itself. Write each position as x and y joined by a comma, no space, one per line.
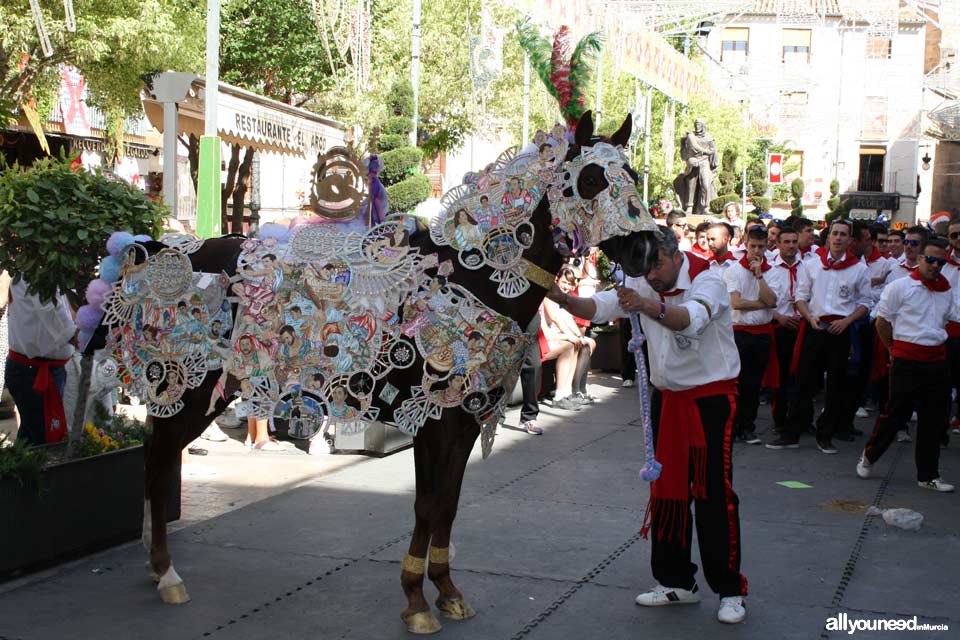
85,505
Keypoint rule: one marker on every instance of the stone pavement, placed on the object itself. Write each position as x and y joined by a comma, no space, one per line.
291,546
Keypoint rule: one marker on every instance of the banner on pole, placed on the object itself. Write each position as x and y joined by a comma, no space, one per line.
208,188
775,168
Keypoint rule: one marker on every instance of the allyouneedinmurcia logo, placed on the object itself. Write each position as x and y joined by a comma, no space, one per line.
843,622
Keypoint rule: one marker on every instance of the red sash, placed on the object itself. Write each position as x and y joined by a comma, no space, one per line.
681,439
953,329
54,419
771,375
918,352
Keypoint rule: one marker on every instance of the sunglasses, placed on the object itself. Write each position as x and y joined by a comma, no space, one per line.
911,243
934,260
955,235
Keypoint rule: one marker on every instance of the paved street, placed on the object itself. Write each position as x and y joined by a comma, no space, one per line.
294,546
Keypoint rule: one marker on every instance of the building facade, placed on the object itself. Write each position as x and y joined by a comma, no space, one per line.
846,99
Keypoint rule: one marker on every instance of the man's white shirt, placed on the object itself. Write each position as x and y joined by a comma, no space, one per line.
917,314
741,280
778,279
704,351
834,292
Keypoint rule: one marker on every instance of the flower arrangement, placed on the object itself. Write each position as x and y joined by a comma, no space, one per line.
117,432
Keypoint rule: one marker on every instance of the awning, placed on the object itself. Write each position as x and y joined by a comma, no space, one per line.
249,119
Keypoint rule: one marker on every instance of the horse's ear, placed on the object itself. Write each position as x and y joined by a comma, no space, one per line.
584,130
622,136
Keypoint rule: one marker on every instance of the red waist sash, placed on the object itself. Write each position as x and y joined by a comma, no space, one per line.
918,352
55,422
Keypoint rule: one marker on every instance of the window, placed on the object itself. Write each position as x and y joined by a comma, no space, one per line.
735,45
871,168
879,48
796,45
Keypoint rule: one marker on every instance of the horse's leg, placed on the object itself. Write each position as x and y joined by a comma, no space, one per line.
460,440
417,616
160,465
168,437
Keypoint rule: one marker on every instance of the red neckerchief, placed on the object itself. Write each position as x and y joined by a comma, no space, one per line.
723,258
792,269
874,255
746,264
700,253
804,252
950,259
695,266
886,254
848,260
939,285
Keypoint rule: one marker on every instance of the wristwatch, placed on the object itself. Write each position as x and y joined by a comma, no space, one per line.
663,311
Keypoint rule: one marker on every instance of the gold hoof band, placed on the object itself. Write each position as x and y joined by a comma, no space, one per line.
456,609
421,623
439,555
414,565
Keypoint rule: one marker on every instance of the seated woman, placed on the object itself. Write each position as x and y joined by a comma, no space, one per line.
560,340
569,282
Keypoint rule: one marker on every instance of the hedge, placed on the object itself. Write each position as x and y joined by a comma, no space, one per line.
398,125
761,204
391,141
718,203
398,163
407,194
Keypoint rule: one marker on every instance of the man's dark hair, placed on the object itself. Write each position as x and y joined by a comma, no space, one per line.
756,232
876,229
897,232
801,223
288,329
844,222
703,227
675,216
954,220
788,231
935,241
919,231
861,226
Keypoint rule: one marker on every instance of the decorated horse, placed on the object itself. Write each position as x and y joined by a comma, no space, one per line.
414,325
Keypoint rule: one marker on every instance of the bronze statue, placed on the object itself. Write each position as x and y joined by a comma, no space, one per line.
694,186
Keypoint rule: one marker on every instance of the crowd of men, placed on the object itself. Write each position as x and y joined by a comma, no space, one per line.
871,312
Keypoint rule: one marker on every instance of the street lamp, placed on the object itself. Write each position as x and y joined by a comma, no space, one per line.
925,160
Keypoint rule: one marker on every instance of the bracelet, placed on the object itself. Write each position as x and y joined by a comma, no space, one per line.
663,311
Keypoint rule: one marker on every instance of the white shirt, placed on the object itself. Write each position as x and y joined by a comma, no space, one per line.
720,267
741,280
684,244
834,292
879,268
917,314
778,279
771,255
898,270
39,330
702,353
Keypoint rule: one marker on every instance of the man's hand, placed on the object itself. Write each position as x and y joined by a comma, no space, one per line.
814,322
630,300
756,266
788,322
838,326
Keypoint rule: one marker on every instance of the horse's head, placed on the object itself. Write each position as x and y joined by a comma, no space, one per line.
594,201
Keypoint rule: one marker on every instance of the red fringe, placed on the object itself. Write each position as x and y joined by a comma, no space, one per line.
671,518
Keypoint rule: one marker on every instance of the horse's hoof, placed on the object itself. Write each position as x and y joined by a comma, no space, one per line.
171,588
456,609
421,622
152,573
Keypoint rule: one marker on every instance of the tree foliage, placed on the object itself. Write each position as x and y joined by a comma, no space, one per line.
55,221
272,47
116,41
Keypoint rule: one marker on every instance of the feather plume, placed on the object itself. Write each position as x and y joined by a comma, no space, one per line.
581,71
560,66
539,51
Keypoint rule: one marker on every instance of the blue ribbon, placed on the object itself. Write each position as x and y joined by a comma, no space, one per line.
651,467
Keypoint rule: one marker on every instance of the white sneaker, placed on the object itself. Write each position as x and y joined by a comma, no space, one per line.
903,436
864,468
731,610
863,413
661,595
936,485
214,434
626,384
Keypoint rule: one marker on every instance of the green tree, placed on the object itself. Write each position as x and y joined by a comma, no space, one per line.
406,186
272,47
796,191
115,42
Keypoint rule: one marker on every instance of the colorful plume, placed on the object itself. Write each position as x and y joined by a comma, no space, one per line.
565,75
